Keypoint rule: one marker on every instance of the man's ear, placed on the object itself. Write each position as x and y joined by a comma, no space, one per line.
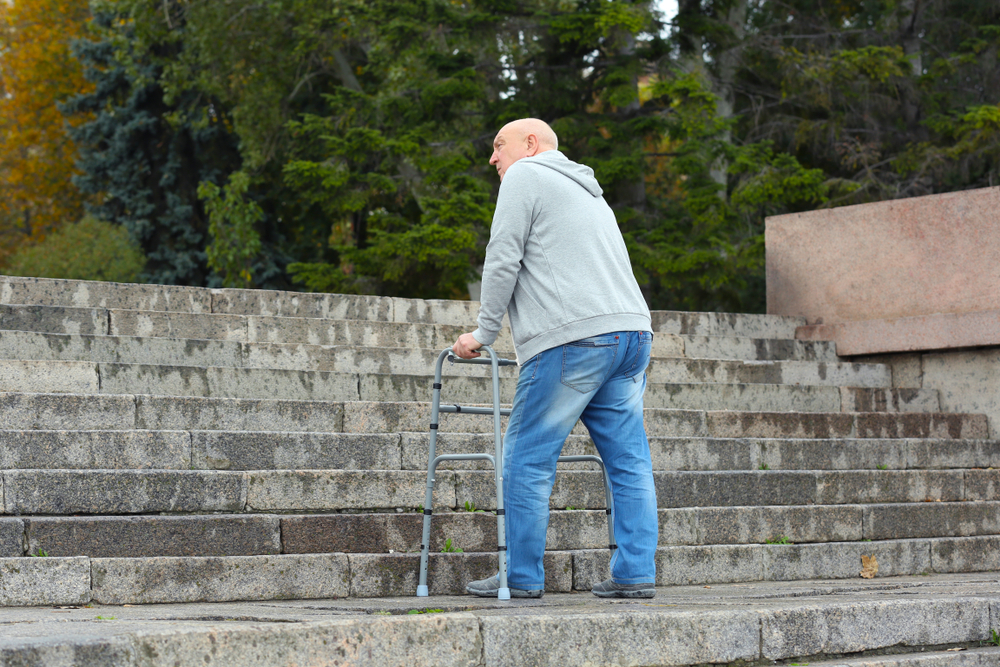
531,143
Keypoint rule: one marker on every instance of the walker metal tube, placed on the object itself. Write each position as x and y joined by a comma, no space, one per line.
608,498
504,592
425,543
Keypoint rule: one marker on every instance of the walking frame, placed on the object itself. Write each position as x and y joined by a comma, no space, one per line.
496,459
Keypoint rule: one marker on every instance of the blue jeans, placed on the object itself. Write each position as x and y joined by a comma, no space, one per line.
600,380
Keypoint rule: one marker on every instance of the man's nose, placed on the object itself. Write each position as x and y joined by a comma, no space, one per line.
494,158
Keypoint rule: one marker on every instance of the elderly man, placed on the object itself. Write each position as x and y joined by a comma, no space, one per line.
556,262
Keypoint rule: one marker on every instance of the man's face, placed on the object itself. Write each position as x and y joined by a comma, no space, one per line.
508,147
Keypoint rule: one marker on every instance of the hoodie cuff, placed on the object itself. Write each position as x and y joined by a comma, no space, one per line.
484,337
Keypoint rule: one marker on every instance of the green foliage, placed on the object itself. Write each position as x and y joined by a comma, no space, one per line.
449,548
780,539
91,249
235,243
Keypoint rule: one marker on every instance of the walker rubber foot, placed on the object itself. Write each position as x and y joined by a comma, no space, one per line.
422,592
503,594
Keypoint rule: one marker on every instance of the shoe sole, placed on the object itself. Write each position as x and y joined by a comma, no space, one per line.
513,593
644,593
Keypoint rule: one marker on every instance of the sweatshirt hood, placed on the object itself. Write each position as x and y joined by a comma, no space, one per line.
580,173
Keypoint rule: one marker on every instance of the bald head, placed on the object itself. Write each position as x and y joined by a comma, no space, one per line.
520,139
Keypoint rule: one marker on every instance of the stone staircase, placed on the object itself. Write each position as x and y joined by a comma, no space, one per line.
170,444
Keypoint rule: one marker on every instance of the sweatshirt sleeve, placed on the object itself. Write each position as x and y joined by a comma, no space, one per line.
508,235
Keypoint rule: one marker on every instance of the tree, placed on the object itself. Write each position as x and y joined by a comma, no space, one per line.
36,155
87,250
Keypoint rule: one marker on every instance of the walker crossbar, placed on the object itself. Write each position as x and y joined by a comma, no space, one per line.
496,459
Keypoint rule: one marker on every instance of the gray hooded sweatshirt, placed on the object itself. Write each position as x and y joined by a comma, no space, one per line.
556,260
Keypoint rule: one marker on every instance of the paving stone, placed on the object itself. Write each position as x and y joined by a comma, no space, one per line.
236,414
304,490
217,579
842,560
974,657
66,411
178,325
44,581
899,521
51,319
855,399
653,639
11,537
263,450
814,629
170,450
424,640
144,536
92,294
966,554
743,525
388,575
58,652
121,492
223,382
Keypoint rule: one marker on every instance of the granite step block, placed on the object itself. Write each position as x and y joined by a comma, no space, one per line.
60,492
44,581
933,519
262,450
860,399
236,414
116,450
75,377
968,657
273,303
326,490
11,537
66,411
93,294
757,349
835,374
220,578
966,554
202,326
227,382
53,320
738,325
148,536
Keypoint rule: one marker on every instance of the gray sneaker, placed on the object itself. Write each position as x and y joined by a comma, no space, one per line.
488,588
609,589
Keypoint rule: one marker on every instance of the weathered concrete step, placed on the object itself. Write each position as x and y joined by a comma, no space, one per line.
64,492
725,324
728,624
389,417
337,575
812,373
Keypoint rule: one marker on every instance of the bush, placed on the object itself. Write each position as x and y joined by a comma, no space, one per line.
87,250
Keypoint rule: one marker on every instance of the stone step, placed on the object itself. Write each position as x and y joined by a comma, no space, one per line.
755,349
908,623
220,381
298,450
64,492
475,531
24,345
267,303
163,579
95,412
388,417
